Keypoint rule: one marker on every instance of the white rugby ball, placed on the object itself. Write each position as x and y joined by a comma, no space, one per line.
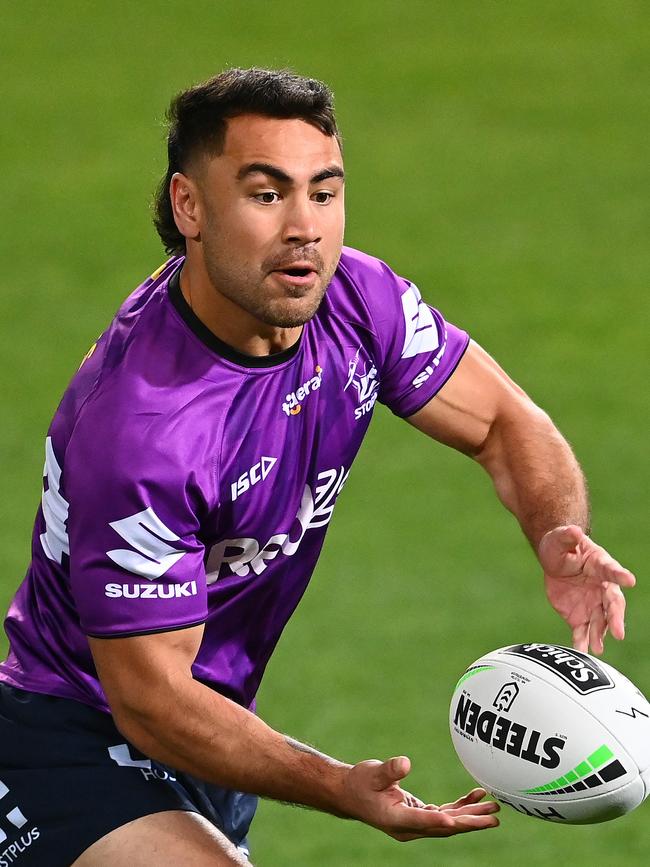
554,733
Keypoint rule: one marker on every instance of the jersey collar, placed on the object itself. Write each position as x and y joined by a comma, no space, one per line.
216,344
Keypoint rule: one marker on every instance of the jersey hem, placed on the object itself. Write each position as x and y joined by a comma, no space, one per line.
151,631
54,690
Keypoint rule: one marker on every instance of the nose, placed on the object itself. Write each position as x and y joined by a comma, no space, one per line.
300,226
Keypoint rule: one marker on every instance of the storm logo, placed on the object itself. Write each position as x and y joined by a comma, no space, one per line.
365,383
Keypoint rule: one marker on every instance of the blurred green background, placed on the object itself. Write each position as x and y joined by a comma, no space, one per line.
497,154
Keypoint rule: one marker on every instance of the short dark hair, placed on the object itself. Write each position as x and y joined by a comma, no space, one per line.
198,116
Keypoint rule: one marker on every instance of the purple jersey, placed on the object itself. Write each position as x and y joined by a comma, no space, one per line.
186,483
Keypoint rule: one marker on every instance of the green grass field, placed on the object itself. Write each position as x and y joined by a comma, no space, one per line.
497,154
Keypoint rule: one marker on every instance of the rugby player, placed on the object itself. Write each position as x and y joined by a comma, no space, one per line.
191,471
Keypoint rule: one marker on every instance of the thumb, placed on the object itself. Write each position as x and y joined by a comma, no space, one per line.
391,771
565,538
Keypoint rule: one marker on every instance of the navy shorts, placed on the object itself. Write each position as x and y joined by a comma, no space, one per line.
68,777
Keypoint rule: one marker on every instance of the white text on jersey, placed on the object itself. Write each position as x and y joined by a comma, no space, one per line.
422,377
293,401
242,555
150,591
257,473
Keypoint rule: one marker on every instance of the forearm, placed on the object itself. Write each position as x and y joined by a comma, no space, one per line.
534,471
203,733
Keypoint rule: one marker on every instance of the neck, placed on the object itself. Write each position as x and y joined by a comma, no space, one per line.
227,320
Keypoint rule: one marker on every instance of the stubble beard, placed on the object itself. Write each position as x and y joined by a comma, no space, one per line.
247,290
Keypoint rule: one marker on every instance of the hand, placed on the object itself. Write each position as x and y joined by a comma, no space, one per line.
583,584
374,796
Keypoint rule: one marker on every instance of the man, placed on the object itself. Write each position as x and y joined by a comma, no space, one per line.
191,471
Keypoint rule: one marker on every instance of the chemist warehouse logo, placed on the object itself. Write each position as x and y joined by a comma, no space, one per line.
149,556
18,837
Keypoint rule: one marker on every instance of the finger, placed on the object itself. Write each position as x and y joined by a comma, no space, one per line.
474,823
464,824
580,637
485,808
390,772
615,611
414,823
472,797
601,566
597,630
411,800
617,574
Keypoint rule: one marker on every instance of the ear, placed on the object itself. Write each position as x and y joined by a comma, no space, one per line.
184,198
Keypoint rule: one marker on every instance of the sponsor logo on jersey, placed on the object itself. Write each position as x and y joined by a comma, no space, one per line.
257,473
241,556
575,668
15,821
294,400
429,370
503,734
150,591
147,534
362,376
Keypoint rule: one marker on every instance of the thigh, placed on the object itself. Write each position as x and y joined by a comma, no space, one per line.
166,840
68,780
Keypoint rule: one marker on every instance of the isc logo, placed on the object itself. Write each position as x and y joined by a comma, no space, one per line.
257,473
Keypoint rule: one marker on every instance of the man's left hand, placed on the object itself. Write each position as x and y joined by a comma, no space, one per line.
583,584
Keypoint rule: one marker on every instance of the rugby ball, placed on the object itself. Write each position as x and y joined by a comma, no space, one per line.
554,733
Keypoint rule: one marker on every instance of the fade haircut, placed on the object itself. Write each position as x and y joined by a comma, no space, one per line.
198,118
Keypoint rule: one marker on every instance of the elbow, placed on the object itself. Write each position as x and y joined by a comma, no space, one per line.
144,717
136,724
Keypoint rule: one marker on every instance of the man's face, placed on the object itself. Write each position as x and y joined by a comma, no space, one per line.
272,217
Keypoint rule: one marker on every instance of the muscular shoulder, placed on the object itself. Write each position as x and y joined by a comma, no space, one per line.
366,283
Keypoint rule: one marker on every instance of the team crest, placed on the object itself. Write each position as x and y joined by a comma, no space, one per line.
362,377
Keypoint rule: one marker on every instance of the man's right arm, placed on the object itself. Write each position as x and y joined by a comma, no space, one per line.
174,719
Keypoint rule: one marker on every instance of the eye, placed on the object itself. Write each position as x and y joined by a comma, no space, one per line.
268,197
323,197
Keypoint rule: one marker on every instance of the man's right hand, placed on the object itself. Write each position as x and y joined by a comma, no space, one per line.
176,720
372,794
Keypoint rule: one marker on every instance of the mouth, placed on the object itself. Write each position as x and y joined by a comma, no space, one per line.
297,274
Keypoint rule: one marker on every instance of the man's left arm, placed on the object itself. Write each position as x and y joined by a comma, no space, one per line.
480,411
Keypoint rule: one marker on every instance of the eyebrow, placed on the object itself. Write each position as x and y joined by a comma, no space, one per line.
272,171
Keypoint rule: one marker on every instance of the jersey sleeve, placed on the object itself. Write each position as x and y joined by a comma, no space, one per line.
136,561
419,349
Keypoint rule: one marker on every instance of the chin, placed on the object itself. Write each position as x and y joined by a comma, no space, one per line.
291,314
